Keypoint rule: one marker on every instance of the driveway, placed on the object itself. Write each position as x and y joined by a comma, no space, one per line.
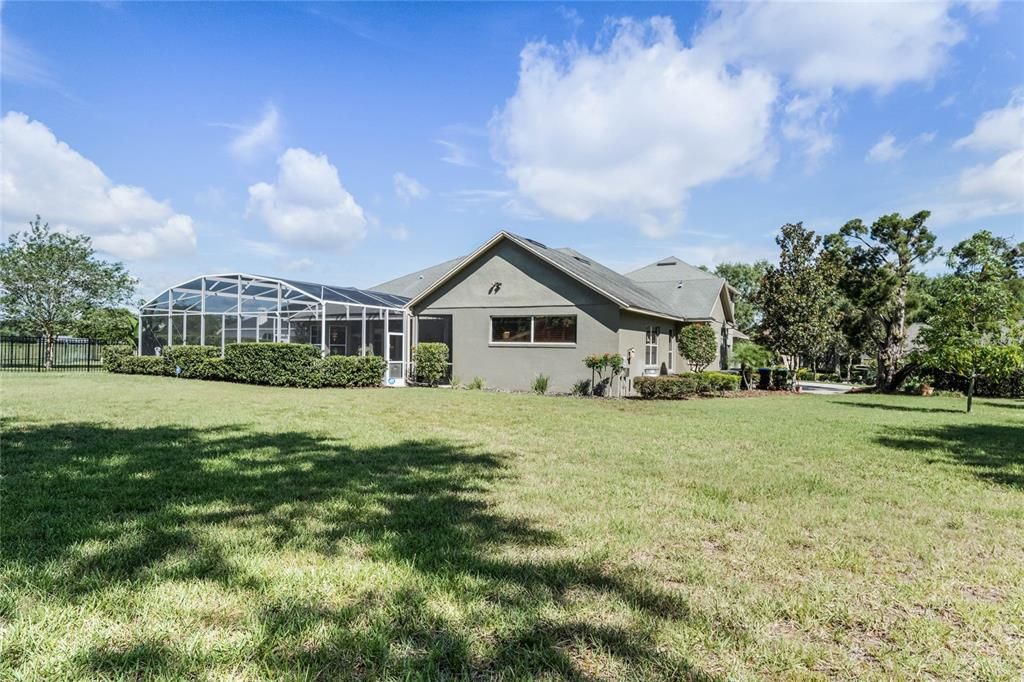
821,388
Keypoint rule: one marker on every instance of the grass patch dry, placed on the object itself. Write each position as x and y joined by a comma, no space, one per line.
159,528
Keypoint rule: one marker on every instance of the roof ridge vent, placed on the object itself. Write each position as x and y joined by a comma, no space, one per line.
667,261
535,242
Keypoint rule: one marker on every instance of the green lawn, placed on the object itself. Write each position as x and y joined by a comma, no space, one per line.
160,528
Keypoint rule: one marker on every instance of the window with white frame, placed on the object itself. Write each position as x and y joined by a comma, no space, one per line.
534,329
651,346
671,349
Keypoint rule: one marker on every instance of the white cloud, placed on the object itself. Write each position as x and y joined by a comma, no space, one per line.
806,120
455,154
260,136
886,149
308,204
836,45
44,175
409,188
626,130
821,48
21,63
1004,178
995,187
998,129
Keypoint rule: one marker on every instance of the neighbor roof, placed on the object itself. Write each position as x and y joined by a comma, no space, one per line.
618,288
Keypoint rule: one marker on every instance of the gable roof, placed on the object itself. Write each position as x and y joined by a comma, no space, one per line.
669,269
693,299
616,287
415,282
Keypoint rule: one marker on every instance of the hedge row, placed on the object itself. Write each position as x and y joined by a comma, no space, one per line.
271,364
679,386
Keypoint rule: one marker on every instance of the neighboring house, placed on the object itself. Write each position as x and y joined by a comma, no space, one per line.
515,308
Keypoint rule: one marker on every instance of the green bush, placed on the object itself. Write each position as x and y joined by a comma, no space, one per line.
681,386
189,359
211,369
698,345
273,364
540,384
666,387
717,382
146,364
581,388
431,360
350,371
114,357
781,378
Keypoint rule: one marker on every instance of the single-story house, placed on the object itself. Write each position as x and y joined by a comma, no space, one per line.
511,310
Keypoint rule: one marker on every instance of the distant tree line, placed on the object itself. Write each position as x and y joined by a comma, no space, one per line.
832,300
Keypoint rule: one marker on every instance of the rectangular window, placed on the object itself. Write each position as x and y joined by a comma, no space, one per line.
651,346
671,349
510,330
534,329
561,329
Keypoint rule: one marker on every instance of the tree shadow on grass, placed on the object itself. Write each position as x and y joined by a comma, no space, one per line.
91,507
993,453
1001,404
896,408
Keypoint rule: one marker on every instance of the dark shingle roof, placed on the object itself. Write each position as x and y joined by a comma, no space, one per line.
605,280
415,282
668,269
690,298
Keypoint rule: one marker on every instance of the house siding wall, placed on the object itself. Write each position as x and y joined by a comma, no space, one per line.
528,286
633,336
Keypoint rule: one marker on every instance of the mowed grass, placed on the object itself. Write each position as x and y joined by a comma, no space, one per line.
157,528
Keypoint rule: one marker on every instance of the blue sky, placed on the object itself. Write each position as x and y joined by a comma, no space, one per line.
354,143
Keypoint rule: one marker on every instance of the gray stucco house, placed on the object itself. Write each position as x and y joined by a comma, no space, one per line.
515,308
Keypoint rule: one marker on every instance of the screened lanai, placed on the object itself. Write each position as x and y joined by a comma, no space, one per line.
217,310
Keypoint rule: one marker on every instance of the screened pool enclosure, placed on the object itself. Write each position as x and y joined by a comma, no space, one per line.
217,310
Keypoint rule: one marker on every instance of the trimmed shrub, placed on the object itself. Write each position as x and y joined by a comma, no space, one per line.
146,364
781,378
273,364
540,384
211,369
697,343
431,360
189,359
681,386
668,387
717,382
350,371
114,357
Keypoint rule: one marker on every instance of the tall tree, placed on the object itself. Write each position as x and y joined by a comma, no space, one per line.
746,279
111,325
50,280
877,266
798,297
975,329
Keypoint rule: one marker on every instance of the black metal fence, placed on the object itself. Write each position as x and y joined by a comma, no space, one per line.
29,354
